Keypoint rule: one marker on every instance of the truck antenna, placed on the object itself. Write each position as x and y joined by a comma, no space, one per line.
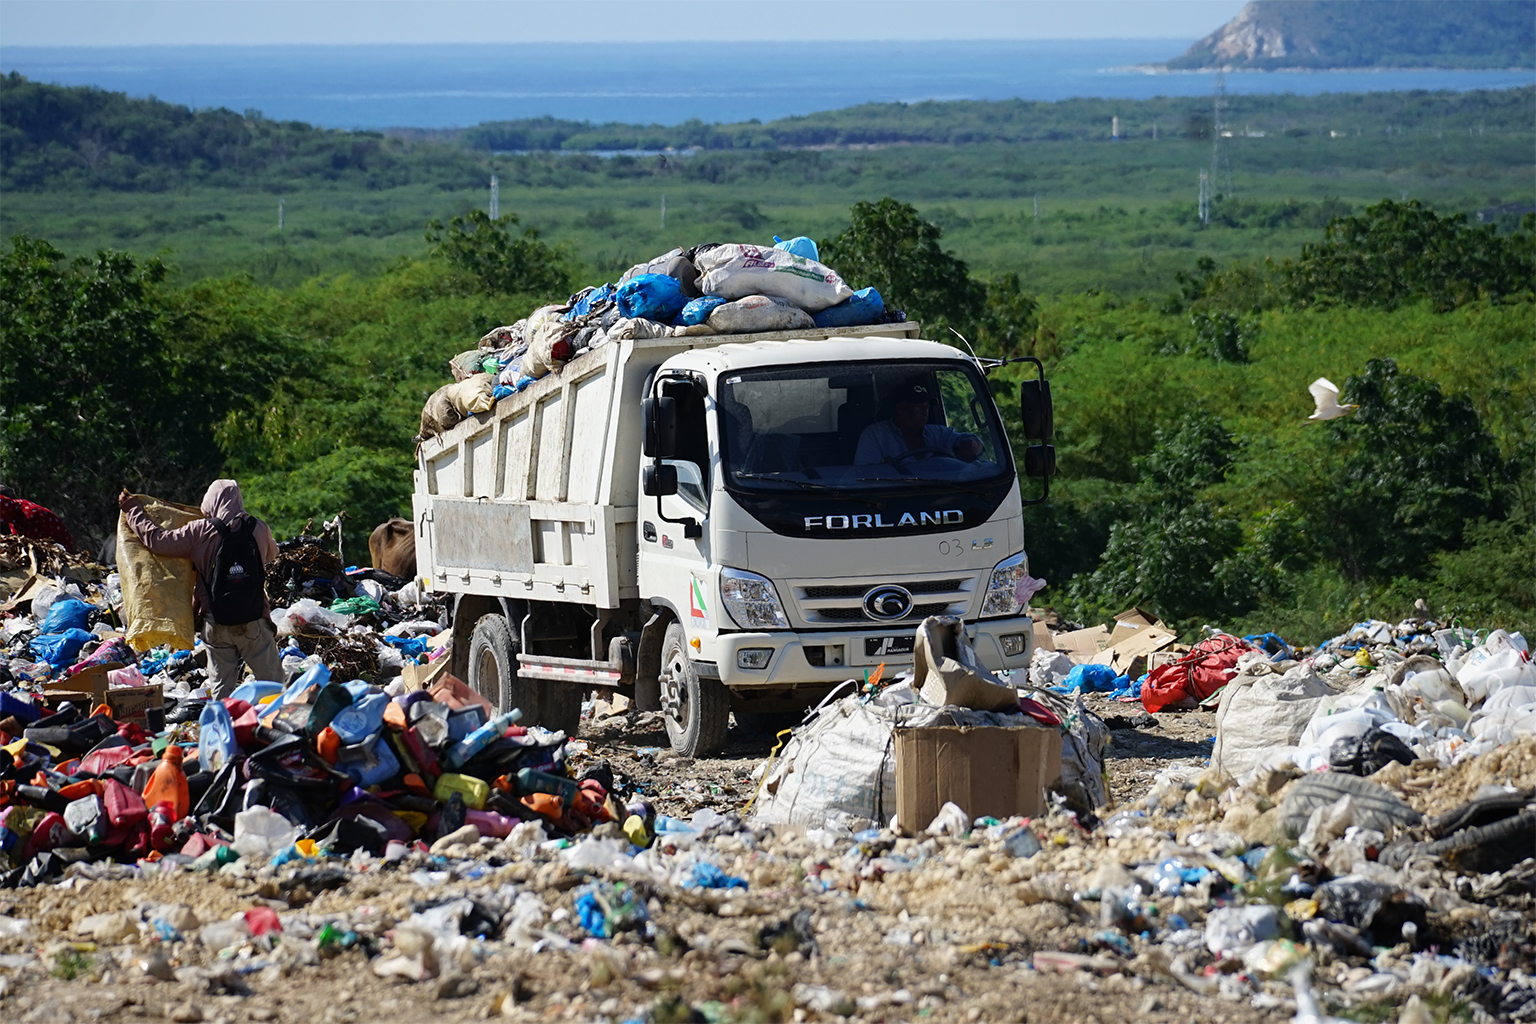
974,356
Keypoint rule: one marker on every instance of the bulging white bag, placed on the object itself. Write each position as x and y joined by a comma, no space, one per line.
736,271
758,313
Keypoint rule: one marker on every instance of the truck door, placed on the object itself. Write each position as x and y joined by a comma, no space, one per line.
674,509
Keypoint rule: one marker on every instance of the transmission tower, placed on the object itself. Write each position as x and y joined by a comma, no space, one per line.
1221,164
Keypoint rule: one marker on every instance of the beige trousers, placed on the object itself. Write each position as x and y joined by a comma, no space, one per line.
253,643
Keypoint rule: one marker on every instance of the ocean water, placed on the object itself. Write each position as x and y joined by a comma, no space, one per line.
441,86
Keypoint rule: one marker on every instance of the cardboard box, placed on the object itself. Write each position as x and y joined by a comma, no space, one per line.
1129,656
996,770
1082,644
142,704
1132,621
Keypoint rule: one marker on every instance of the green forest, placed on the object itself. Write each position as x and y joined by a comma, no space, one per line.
157,329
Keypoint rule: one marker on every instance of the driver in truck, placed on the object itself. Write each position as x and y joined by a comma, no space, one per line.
908,430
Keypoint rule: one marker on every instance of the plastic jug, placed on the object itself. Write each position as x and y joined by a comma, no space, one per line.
481,738
215,736
369,764
490,823
254,691
474,791
326,706
25,711
168,784
532,781
356,722
123,806
317,674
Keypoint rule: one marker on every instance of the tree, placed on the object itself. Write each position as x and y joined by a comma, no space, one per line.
505,262
1399,480
1173,550
1396,253
107,378
887,246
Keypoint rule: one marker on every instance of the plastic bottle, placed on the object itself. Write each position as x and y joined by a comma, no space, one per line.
168,785
215,736
162,824
530,780
356,722
490,823
473,790
481,738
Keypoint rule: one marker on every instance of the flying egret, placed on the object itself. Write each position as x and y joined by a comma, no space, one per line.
1326,395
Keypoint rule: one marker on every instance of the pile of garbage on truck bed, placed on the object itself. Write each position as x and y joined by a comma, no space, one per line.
1362,839
715,288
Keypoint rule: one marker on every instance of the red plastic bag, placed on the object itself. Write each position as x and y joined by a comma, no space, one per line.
1186,682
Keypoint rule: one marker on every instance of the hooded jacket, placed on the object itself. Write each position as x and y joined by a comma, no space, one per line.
199,539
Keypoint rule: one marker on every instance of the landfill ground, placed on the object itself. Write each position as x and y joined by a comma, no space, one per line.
953,939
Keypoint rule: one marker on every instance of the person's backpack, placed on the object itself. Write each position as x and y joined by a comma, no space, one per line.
236,594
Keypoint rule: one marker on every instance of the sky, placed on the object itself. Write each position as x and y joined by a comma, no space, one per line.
354,22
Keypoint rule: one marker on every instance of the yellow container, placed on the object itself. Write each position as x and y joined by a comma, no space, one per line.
473,790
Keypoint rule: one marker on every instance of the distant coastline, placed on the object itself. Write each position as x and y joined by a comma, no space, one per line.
1375,69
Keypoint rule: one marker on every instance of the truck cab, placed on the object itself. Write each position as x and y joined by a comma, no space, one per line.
775,515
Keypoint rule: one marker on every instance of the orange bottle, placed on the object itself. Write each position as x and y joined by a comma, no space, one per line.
168,784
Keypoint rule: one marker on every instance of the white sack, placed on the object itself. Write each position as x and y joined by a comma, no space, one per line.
736,271
1261,714
756,314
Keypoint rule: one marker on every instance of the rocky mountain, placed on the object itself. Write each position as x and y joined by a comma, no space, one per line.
1274,35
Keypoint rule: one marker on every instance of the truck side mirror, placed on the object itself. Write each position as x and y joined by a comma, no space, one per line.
658,479
1035,404
1040,461
660,417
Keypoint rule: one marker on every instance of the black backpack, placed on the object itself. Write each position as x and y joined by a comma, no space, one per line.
237,592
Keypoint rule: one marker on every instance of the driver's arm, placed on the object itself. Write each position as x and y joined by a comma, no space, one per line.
966,447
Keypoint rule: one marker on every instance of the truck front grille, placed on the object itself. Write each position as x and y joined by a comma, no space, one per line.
843,603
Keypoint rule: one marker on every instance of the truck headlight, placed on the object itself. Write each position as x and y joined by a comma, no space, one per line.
751,600
1003,590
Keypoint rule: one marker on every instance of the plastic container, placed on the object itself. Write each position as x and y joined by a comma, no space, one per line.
474,791
168,784
357,722
25,711
369,764
490,823
254,691
481,738
216,745
530,780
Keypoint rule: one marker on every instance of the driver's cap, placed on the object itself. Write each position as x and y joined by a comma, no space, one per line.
913,391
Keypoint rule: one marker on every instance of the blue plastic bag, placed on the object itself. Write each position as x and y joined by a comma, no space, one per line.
697,311
66,613
1088,679
866,307
651,297
596,297
800,245
59,649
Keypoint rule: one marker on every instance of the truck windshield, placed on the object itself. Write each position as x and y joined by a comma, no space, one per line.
860,427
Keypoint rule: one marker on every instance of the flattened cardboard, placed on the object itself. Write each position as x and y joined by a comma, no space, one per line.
1129,656
1082,644
1043,639
421,677
996,770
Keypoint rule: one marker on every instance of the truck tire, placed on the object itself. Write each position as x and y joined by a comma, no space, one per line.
492,665
1376,807
697,711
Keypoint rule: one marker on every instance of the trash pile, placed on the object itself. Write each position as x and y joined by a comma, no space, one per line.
1363,837
732,288
368,743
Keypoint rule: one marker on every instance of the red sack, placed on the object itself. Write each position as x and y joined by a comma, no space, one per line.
1194,677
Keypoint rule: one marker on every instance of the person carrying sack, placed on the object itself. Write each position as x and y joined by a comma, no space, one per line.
230,550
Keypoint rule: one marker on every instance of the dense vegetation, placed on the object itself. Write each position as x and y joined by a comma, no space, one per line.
1350,34
1179,352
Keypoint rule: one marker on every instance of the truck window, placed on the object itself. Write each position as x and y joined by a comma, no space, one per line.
860,426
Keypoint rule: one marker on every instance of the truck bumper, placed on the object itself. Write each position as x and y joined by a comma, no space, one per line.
828,658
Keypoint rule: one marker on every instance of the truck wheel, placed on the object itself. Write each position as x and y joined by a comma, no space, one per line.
493,661
697,711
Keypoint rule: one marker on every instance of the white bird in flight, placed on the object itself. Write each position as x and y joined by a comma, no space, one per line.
1326,395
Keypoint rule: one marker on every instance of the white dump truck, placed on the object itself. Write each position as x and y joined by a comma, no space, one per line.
728,522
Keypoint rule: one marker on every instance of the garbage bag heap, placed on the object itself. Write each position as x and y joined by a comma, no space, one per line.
733,288
1371,878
